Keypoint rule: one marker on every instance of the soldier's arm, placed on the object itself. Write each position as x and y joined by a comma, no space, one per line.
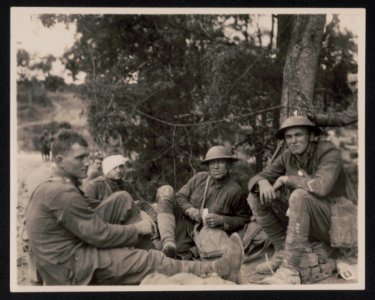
324,178
79,218
242,213
183,195
270,173
347,117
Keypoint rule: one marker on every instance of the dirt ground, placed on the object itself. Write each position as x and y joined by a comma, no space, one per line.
31,171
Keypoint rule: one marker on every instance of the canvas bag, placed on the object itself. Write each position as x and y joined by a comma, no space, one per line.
210,242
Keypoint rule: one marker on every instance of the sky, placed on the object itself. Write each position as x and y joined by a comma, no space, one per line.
32,36
29,34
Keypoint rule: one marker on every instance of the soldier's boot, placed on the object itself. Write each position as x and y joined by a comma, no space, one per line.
167,225
229,265
270,266
283,275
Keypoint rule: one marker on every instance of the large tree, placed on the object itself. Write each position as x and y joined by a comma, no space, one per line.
301,64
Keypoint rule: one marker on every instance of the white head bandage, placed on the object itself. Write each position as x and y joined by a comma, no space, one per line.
111,162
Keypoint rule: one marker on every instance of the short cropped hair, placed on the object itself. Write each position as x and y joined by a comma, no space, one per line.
65,139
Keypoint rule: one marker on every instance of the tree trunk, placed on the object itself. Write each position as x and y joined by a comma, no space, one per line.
301,64
284,34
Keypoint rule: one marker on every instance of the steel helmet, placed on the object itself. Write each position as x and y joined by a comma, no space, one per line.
218,152
296,121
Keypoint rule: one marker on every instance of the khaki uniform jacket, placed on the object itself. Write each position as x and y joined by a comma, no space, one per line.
224,198
321,174
66,235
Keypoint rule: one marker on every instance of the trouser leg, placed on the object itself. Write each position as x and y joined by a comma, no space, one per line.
131,266
174,227
271,218
309,217
119,208
166,210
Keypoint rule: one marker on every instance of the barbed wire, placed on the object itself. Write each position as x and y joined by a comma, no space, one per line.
228,119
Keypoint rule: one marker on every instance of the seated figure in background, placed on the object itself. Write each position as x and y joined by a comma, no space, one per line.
112,181
346,117
95,168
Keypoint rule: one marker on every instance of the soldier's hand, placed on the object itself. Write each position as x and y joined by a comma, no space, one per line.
280,182
214,220
193,214
145,216
144,227
266,192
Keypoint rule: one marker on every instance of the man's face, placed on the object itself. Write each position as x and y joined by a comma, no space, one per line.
352,82
297,139
117,173
97,164
218,168
74,163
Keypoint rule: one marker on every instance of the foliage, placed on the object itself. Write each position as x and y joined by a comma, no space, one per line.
32,92
54,83
170,86
337,57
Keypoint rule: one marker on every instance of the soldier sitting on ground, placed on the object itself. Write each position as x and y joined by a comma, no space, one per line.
225,200
300,199
112,181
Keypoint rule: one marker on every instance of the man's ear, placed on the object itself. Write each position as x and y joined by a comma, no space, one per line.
59,159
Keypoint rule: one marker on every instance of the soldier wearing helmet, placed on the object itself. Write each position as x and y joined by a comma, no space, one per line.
225,202
298,199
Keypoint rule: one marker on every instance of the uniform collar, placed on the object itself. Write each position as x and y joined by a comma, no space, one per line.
68,179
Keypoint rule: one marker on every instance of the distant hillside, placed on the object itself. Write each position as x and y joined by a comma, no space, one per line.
56,110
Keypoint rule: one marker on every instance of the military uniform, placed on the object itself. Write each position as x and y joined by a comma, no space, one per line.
102,186
74,244
224,197
316,198
347,117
